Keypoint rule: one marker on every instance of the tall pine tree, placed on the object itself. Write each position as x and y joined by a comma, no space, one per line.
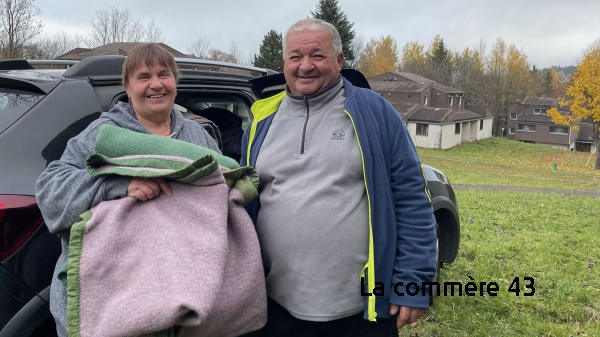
271,52
441,61
330,11
548,84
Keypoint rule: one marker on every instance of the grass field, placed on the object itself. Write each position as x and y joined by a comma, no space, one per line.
553,239
497,161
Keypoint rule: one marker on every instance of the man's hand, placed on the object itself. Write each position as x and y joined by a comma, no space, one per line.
147,188
407,314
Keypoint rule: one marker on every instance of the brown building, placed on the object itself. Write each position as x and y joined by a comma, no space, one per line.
435,115
529,122
116,48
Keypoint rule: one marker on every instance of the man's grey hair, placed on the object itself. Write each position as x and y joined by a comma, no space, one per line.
312,24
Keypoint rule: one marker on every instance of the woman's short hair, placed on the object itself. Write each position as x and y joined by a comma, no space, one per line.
313,24
148,53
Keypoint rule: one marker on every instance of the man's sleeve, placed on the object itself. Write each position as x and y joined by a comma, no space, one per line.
416,237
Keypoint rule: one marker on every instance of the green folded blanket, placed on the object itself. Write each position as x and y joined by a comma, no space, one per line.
128,153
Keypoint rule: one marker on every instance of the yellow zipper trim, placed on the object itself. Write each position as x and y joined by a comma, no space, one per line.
370,266
262,109
250,140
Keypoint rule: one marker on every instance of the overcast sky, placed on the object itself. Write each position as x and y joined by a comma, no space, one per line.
551,32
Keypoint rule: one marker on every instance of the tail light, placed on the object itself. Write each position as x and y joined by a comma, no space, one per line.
20,218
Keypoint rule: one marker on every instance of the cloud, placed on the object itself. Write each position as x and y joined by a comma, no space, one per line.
549,32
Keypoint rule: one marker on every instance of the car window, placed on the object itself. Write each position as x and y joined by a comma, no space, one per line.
13,104
196,103
238,107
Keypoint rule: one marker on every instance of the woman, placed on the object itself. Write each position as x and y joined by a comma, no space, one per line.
65,189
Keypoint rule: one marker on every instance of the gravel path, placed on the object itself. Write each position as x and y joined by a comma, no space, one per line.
585,193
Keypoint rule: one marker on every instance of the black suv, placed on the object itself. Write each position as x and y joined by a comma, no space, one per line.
41,109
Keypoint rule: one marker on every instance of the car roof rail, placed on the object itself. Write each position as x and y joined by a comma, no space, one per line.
97,65
14,64
22,64
211,63
53,62
113,64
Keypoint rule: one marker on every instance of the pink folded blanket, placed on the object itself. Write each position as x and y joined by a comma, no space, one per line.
187,264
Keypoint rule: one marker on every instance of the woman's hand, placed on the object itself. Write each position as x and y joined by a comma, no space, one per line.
147,188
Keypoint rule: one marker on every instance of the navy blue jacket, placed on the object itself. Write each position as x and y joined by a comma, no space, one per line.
402,242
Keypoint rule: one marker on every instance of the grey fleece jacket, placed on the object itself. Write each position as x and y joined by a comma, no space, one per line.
313,223
65,189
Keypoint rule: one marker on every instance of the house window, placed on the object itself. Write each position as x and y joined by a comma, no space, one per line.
425,104
526,127
511,131
457,128
481,124
544,111
537,111
513,115
460,101
450,100
559,129
422,129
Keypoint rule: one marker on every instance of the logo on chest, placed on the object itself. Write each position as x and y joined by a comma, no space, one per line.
338,135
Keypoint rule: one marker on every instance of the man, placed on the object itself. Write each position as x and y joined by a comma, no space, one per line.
342,199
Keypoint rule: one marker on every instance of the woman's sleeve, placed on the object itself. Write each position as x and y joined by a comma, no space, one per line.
65,189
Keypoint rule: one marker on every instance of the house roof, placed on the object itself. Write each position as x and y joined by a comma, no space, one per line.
540,101
446,89
116,48
398,86
415,112
405,109
462,115
586,133
413,77
427,114
535,118
446,115
481,110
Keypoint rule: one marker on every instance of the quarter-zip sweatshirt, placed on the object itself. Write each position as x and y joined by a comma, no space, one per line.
313,224
402,241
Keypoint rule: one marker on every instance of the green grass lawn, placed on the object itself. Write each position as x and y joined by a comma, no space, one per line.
497,161
554,239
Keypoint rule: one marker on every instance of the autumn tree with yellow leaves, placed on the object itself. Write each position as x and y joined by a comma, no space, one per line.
583,98
379,56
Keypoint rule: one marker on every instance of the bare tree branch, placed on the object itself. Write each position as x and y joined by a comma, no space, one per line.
18,26
52,47
118,25
199,48
357,46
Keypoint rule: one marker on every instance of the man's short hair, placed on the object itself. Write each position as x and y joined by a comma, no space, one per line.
313,24
148,53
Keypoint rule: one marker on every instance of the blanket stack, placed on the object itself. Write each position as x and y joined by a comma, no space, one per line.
188,264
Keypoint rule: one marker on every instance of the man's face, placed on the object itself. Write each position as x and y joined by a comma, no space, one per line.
309,63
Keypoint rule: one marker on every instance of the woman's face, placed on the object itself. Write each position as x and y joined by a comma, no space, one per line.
152,91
